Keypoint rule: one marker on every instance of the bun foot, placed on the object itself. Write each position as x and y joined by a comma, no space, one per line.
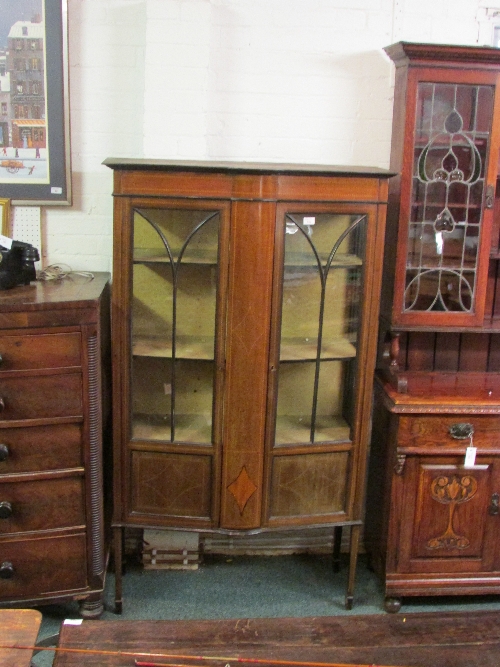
392,605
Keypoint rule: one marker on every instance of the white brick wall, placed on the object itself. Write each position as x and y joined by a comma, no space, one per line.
265,80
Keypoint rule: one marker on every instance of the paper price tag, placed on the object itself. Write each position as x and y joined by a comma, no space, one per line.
5,242
470,457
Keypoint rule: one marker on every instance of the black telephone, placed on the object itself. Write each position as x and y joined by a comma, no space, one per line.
17,264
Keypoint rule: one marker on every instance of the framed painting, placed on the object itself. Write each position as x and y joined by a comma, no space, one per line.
34,102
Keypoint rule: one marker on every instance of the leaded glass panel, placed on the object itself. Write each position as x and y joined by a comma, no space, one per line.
452,134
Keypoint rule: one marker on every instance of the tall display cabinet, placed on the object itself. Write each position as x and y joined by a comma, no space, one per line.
245,310
433,514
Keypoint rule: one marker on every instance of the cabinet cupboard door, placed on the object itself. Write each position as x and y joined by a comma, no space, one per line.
448,518
447,193
177,355
321,289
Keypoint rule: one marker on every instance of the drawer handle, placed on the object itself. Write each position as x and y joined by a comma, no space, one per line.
494,508
6,570
5,509
2,405
4,452
461,431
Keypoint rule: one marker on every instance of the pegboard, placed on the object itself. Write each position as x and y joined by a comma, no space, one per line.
26,226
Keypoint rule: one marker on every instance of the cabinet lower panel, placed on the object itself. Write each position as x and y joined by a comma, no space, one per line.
309,484
171,484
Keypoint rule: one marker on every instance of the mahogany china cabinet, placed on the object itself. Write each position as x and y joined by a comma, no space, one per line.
433,511
54,350
244,321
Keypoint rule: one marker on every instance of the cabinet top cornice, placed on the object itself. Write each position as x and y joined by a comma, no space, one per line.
403,53
245,167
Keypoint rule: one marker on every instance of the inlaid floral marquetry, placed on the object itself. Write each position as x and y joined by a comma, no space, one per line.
452,491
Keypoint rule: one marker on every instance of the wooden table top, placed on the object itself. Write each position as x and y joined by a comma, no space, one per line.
18,627
455,639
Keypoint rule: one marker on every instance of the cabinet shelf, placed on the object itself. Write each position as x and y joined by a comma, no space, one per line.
187,347
191,256
188,428
341,261
294,429
303,349
202,348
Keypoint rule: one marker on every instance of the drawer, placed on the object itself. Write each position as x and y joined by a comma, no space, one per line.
41,396
34,448
42,567
41,505
426,430
37,351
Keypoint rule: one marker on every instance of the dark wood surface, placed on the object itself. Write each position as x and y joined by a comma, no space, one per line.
53,410
18,627
415,640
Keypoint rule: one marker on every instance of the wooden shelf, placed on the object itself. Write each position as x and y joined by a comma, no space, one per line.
341,261
159,256
293,429
202,348
188,347
188,428
303,349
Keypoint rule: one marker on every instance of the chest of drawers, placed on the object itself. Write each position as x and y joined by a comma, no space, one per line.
53,412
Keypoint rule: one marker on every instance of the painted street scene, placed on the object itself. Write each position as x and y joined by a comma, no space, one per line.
23,130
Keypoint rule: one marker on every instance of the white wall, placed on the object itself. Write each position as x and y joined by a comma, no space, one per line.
258,80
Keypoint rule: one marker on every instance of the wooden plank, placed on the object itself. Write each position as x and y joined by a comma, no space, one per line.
18,627
450,639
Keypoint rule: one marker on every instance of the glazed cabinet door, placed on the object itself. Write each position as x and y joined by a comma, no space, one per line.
446,517
318,364
446,196
176,345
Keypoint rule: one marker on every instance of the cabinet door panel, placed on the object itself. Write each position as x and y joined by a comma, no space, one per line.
445,514
173,485
309,485
175,312
447,157
321,301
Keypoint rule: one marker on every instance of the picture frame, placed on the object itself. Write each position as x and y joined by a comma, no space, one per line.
5,216
35,164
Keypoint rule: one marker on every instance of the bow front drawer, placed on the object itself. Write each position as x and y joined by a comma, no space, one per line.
38,351
42,396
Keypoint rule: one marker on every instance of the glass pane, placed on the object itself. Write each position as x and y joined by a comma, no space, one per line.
320,316
175,279
452,134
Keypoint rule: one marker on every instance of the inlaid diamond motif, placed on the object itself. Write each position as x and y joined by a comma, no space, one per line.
242,489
